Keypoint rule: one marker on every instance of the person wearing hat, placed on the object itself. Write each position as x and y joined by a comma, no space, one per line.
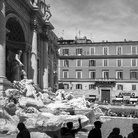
96,131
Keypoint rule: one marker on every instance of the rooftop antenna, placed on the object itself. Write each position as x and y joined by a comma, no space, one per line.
76,29
79,33
62,33
91,36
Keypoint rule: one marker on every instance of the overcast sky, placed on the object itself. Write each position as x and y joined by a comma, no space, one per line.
112,20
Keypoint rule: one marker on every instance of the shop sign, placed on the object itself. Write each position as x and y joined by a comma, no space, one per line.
126,94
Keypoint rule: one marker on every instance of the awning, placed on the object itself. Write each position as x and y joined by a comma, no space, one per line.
118,99
133,99
92,97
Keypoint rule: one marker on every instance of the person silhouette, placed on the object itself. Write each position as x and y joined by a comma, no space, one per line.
96,132
24,132
71,131
115,133
134,134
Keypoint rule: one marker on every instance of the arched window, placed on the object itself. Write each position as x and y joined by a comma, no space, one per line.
15,31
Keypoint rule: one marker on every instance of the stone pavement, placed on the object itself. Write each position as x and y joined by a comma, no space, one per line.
7,136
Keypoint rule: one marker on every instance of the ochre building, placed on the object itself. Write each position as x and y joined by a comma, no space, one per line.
108,70
25,26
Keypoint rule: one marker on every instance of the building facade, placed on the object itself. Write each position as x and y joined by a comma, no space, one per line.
108,70
25,26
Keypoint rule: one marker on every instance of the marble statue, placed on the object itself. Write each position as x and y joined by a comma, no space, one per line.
14,65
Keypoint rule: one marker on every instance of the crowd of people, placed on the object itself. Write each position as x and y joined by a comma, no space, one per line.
96,131
70,132
132,114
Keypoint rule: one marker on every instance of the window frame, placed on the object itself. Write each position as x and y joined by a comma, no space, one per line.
79,86
105,50
79,53
135,62
117,50
106,62
94,63
90,74
65,84
134,85
66,54
77,74
64,65
132,50
64,74
117,62
77,62
136,75
118,75
103,74
120,86
90,50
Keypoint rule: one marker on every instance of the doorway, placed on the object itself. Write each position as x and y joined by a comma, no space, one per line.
105,95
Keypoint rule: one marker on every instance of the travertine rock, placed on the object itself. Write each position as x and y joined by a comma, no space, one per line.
42,113
39,135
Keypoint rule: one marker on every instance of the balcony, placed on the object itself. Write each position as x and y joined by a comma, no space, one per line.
74,56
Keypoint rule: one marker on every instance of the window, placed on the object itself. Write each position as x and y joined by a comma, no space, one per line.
66,86
78,86
92,86
133,75
133,62
92,74
105,62
119,75
119,62
65,74
65,63
65,52
133,87
119,87
133,50
105,74
78,63
79,51
105,50
92,63
92,50
119,50
78,74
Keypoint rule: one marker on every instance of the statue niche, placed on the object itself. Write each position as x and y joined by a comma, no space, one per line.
14,66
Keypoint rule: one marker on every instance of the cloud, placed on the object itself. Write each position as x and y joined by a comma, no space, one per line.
105,19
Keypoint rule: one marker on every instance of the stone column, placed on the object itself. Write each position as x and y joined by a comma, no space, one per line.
34,52
41,61
52,70
2,44
25,60
45,74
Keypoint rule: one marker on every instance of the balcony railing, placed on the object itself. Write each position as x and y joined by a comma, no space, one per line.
74,56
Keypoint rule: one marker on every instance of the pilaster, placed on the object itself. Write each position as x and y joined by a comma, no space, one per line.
2,45
45,57
34,51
